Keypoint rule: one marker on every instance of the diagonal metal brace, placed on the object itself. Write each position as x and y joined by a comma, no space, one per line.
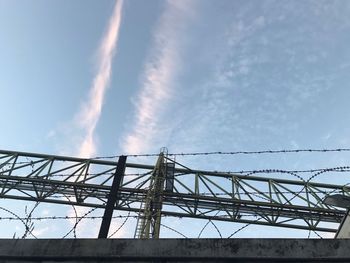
112,198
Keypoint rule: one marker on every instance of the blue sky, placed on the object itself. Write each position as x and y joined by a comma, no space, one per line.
92,78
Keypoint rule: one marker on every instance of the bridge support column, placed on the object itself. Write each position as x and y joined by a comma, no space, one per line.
112,198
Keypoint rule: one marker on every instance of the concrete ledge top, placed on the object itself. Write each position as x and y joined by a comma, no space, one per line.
190,249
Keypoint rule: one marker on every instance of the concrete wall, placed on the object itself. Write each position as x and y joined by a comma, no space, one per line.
174,250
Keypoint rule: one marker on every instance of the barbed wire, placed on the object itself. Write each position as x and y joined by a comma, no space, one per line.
174,230
15,216
27,221
210,221
281,151
75,212
229,153
264,192
287,201
81,175
243,227
41,218
78,221
294,173
121,226
269,171
93,209
320,171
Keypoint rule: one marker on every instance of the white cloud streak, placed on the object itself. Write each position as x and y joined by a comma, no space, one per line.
90,113
160,72
87,118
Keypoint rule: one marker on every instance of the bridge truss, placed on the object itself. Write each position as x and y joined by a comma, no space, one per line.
169,189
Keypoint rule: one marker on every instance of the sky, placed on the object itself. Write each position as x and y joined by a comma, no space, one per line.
100,78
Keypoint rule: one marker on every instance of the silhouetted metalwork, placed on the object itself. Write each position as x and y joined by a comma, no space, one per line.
112,198
170,189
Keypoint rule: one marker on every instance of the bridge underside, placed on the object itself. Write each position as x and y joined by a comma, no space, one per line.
175,250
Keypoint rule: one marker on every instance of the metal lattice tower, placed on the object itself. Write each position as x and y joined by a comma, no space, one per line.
168,189
148,223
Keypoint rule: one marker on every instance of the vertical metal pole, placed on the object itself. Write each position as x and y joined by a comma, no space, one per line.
148,225
112,198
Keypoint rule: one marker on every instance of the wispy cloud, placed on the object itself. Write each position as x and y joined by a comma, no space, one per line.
87,118
160,71
91,110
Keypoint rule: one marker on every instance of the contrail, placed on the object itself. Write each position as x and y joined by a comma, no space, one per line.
160,72
90,113
91,110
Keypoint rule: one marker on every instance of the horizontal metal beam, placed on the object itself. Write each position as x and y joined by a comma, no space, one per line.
193,193
177,170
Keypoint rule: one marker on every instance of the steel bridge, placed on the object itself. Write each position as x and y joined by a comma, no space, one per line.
167,189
